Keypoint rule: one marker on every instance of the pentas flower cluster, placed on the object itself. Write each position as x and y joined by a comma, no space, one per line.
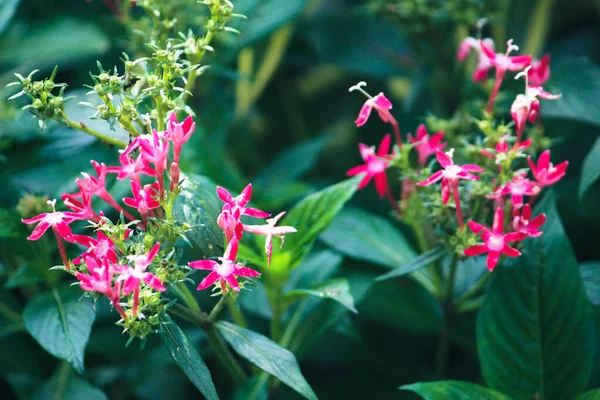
502,186
125,267
225,272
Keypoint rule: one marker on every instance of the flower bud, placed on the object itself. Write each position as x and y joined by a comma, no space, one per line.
175,173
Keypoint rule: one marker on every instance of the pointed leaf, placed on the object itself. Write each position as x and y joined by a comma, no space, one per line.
590,272
188,359
535,330
422,261
66,385
335,289
591,395
453,390
61,322
590,171
267,355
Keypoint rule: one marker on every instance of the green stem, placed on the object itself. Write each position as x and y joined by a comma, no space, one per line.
187,296
538,27
64,370
9,313
80,126
217,308
236,314
474,289
447,305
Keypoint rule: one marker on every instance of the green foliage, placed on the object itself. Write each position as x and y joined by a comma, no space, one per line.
590,171
590,273
591,395
188,359
453,390
536,311
421,261
68,386
61,323
335,289
7,11
267,355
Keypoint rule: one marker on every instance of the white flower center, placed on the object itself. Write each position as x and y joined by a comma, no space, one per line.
496,242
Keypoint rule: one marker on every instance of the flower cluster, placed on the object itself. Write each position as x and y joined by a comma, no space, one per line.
501,187
129,268
230,222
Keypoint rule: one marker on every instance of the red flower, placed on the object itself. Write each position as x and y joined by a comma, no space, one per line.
269,230
229,222
450,174
381,104
527,106
426,145
179,133
100,279
545,173
540,71
131,168
523,222
225,271
483,62
101,248
240,202
134,276
496,242
57,220
143,199
375,165
504,62
519,187
83,209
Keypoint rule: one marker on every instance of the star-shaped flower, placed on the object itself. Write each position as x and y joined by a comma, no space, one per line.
523,223
375,165
426,145
269,230
545,173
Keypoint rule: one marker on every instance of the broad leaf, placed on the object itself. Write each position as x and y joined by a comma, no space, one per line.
65,385
61,321
535,330
23,276
453,390
591,395
579,91
590,272
199,206
423,260
590,171
335,289
267,355
7,11
313,214
188,359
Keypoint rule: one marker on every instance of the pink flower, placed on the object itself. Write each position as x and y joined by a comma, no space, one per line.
83,209
57,220
483,62
504,62
520,186
496,242
179,133
240,202
101,248
523,222
225,271
540,71
527,106
134,276
375,165
426,145
143,199
100,279
269,230
381,104
545,173
131,168
450,174
155,150
175,172
229,222
502,148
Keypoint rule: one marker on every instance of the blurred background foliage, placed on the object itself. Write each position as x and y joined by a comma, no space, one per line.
274,110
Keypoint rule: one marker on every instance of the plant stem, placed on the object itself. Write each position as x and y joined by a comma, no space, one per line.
459,216
474,289
188,297
80,126
9,313
538,27
217,308
497,84
447,305
236,314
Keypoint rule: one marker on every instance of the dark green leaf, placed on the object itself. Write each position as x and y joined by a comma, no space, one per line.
10,224
369,237
422,261
591,395
578,79
65,385
61,322
348,41
188,359
267,355
590,272
335,289
199,206
453,390
590,172
7,10
535,329
23,276
313,214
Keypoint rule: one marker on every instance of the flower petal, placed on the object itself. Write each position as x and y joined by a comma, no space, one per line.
209,280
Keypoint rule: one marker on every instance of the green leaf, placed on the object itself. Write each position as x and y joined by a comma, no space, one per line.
535,330
366,236
10,224
336,289
590,395
579,90
590,172
348,42
590,272
65,385
453,390
313,214
267,355
23,276
422,261
7,11
61,321
188,359
199,206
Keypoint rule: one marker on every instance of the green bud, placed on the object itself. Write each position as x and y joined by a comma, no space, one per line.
115,80
37,104
38,86
103,77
